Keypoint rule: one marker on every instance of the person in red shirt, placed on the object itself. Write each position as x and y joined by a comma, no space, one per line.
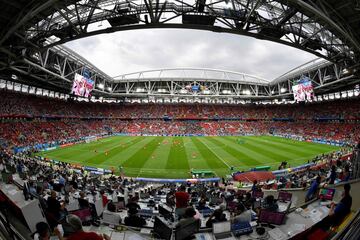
79,234
182,201
105,200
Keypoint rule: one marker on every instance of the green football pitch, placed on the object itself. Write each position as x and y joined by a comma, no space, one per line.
175,157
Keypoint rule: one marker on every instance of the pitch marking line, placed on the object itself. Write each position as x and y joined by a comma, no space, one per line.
216,154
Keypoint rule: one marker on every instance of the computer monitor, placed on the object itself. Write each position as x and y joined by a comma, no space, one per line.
120,199
119,206
221,227
148,213
284,196
165,211
188,230
327,194
161,229
241,228
270,217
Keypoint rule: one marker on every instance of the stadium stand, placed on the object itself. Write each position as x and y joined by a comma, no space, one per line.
63,197
41,181
55,121
231,136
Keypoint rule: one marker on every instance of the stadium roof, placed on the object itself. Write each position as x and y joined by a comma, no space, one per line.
192,74
31,32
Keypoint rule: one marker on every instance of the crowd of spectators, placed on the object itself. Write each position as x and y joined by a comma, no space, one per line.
20,104
30,120
56,184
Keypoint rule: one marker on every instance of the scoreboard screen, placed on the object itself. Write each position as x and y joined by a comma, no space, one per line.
82,86
303,90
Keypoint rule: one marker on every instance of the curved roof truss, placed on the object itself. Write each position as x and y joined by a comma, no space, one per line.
307,25
31,34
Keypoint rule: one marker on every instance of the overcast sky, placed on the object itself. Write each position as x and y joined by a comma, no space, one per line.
138,50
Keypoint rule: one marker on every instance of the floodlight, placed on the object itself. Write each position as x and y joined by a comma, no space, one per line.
161,90
140,90
246,92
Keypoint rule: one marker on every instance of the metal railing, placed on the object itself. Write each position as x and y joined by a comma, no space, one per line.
351,231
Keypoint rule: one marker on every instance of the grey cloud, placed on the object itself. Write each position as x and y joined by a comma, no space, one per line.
138,50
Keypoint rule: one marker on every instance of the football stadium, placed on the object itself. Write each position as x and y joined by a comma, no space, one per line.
179,120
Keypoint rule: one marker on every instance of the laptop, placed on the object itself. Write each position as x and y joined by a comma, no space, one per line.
241,228
277,218
162,229
284,196
147,213
284,206
206,212
188,230
165,211
327,194
111,218
222,230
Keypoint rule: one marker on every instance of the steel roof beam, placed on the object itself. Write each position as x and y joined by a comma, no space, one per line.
328,20
20,20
